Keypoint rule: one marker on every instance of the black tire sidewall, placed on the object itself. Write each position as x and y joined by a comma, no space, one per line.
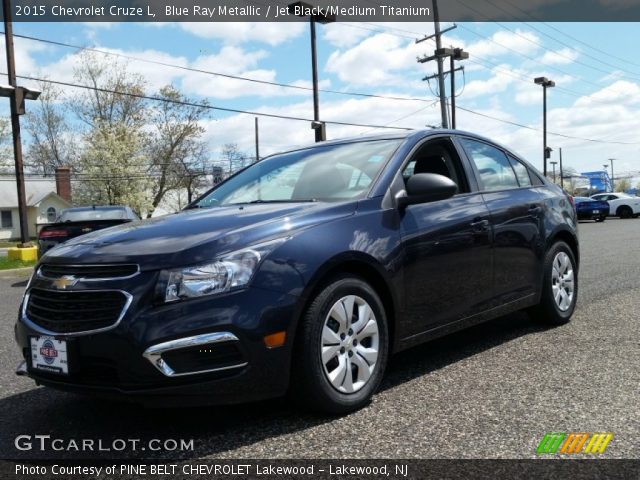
311,377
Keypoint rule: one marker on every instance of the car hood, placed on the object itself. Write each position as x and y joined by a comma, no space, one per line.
194,236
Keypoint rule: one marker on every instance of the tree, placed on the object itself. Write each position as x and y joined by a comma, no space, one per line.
622,184
176,150
100,106
110,166
52,141
233,157
6,149
113,166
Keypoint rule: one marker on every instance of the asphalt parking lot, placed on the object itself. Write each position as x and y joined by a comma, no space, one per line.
490,392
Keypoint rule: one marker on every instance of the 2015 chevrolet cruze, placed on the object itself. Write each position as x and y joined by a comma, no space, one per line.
303,272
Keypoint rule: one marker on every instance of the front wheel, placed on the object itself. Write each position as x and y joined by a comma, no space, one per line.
342,348
559,286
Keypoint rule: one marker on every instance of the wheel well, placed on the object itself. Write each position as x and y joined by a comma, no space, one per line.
569,240
622,208
371,276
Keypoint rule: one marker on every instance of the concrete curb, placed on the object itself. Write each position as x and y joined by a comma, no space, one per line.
16,272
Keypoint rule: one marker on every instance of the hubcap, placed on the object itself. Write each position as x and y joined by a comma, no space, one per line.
562,281
350,342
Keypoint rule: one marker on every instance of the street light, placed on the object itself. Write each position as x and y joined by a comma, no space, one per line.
323,17
458,54
554,170
546,83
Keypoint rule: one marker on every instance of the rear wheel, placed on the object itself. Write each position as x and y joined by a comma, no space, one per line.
624,212
342,348
560,286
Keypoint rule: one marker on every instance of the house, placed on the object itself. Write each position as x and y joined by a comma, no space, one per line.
46,198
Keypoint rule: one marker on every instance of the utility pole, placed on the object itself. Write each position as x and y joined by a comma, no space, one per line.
16,99
554,171
439,60
561,172
443,95
613,188
257,140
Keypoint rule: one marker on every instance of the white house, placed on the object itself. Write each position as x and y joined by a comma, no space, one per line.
43,204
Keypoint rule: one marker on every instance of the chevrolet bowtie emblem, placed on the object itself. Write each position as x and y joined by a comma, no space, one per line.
66,281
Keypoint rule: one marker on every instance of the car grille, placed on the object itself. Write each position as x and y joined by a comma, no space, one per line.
88,272
72,312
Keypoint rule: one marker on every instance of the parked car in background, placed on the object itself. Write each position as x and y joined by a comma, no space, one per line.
590,209
620,204
303,273
74,222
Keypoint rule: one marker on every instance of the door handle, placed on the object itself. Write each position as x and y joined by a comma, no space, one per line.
480,225
535,210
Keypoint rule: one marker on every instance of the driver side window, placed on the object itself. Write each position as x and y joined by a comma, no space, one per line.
439,157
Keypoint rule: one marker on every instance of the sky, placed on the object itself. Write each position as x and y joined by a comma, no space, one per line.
594,65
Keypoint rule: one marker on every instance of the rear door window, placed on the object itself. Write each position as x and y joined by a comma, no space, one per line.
522,173
492,164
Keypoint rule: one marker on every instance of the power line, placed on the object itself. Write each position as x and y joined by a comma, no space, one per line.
202,105
593,140
590,46
218,74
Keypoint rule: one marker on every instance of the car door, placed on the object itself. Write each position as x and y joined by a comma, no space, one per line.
516,210
446,245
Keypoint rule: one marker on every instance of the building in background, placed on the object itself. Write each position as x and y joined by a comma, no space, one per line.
46,198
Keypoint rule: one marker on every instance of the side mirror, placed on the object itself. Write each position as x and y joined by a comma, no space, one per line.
427,187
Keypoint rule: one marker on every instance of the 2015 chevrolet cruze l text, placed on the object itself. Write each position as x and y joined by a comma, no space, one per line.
303,272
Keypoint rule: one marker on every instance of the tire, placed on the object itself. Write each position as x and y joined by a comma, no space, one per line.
317,382
624,212
550,310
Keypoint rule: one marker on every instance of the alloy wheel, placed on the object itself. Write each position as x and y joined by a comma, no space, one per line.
562,281
350,344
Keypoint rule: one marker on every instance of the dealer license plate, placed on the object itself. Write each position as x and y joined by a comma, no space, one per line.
49,355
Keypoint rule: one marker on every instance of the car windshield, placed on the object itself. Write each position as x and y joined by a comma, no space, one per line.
321,173
91,214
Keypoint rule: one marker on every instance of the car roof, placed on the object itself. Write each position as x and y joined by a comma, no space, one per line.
409,134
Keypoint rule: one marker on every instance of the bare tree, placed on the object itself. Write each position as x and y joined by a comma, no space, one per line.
176,150
52,141
233,157
100,105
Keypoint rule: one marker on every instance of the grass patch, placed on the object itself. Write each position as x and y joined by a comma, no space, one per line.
5,244
6,264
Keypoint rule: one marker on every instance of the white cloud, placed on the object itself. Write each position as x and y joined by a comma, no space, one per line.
560,57
375,61
504,42
270,33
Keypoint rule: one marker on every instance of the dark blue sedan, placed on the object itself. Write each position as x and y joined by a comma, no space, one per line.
303,273
590,209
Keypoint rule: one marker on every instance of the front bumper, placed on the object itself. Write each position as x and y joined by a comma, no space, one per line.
127,361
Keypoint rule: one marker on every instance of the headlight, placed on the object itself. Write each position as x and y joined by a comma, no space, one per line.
233,270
